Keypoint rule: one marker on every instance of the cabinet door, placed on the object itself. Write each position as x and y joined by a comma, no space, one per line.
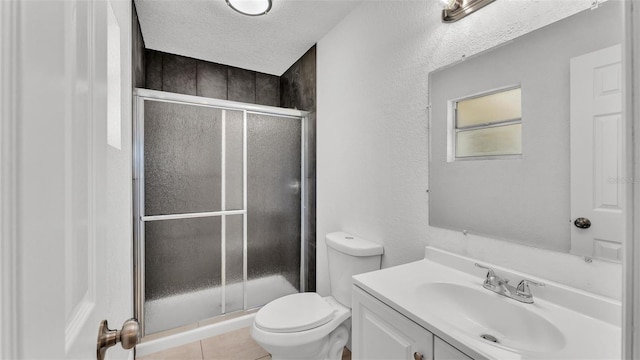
380,332
444,351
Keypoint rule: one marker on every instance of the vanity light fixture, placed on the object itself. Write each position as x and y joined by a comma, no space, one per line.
250,7
454,10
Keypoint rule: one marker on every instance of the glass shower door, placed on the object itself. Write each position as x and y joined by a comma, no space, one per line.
193,181
273,225
219,205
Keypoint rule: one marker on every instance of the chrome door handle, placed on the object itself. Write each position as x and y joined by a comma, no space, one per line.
128,336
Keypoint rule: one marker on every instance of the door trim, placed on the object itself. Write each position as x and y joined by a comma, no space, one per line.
219,103
631,262
9,18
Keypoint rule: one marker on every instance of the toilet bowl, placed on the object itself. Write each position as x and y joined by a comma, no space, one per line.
308,326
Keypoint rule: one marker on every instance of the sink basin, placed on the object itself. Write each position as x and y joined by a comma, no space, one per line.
489,317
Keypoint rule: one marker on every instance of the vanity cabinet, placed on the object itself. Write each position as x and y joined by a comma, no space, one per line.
379,332
444,351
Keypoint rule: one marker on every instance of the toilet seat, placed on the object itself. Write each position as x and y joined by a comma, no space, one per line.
294,313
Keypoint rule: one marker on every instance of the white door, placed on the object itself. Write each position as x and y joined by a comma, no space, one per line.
73,176
597,155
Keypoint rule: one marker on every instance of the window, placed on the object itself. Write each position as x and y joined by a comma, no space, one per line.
488,125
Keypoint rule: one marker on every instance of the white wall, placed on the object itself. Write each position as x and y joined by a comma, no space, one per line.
372,151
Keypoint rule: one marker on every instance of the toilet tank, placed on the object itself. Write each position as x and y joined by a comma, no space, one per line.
349,255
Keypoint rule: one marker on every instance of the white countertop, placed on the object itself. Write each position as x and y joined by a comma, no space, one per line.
590,323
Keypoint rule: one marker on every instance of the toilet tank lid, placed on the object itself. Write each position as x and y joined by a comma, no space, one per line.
353,245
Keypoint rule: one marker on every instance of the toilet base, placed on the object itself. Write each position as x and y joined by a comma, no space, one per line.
329,347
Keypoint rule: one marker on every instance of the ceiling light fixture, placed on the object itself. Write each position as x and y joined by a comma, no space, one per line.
250,7
454,10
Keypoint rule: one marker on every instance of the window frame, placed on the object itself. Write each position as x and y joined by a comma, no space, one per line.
453,130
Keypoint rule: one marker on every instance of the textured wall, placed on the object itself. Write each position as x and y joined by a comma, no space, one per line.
184,75
372,151
298,91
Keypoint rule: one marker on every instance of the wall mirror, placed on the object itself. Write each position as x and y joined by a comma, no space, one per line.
527,139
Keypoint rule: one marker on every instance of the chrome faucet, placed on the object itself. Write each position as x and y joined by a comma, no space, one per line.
501,286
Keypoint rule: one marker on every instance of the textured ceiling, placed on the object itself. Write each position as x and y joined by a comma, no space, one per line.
210,30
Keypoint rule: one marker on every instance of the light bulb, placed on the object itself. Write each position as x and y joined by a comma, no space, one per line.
449,4
250,7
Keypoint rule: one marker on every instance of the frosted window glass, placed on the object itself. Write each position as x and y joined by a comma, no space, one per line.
496,107
500,140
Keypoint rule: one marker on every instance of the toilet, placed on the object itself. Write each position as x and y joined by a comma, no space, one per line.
308,326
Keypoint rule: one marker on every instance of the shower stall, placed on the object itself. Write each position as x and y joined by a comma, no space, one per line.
219,190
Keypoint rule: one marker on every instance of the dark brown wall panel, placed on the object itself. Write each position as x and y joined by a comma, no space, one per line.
242,85
138,51
212,80
298,91
267,89
178,74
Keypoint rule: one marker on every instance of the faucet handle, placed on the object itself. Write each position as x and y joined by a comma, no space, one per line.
523,287
492,279
490,272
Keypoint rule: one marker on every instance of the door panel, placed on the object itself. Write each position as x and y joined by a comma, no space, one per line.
74,190
380,332
273,207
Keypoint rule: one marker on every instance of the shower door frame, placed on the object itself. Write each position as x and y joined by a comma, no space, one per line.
142,95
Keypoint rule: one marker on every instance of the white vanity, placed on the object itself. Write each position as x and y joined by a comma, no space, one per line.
437,308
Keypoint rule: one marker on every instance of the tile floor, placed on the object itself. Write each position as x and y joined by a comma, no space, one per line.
234,345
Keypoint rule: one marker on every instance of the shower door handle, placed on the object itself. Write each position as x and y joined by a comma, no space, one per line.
128,336
295,186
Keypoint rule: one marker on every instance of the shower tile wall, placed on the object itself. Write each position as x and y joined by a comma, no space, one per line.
179,74
212,80
138,60
298,91
268,87
184,75
241,85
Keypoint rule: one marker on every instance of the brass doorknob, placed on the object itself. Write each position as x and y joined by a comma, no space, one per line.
417,356
128,336
582,223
